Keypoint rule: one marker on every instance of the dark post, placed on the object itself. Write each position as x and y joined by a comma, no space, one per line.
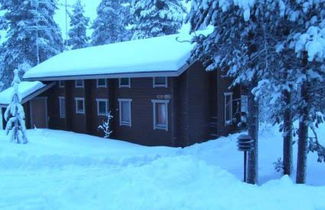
253,116
287,137
247,145
245,166
302,136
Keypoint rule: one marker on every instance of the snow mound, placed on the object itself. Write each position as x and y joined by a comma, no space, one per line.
65,170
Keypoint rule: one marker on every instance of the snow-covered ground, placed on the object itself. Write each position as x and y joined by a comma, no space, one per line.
64,170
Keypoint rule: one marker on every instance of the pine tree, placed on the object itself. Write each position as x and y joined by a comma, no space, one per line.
108,26
274,44
241,46
15,115
128,19
307,41
32,35
154,18
78,27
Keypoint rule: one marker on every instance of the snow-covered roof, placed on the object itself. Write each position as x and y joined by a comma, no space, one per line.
25,89
160,55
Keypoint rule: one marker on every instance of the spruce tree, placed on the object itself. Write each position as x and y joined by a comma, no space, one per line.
78,28
154,18
128,19
32,34
15,115
274,44
108,26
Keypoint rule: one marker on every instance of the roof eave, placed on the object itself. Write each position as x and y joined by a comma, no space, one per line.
33,94
175,73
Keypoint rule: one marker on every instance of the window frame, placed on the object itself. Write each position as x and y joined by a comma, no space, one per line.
61,84
76,99
98,100
62,115
101,86
124,86
154,103
79,86
159,85
228,122
120,100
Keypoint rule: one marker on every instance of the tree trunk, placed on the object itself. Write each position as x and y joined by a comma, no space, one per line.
302,136
287,137
253,118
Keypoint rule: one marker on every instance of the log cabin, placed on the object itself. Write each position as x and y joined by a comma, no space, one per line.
155,95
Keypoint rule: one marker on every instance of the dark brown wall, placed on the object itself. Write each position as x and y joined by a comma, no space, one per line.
141,131
27,114
193,105
53,94
93,93
195,109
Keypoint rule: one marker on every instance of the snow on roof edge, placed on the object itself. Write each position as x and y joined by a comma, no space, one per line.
158,54
25,89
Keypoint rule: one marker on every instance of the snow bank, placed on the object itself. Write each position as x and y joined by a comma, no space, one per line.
64,170
24,88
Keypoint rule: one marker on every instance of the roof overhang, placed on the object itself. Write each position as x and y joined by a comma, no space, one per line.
33,94
115,75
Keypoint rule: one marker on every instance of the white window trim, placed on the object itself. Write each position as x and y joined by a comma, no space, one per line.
124,86
61,84
154,102
106,102
76,99
79,86
101,86
60,108
225,105
120,100
158,85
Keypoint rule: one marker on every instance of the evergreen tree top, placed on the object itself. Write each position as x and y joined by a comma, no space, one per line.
109,26
156,17
78,27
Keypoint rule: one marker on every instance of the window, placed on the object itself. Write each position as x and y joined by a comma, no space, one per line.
61,84
102,105
101,83
125,111
125,82
79,83
80,105
228,108
160,82
160,114
62,106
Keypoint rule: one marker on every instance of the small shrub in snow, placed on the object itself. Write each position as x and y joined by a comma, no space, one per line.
15,115
105,126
